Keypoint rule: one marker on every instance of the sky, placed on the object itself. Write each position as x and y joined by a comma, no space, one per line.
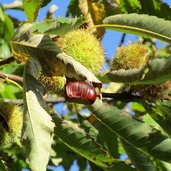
110,42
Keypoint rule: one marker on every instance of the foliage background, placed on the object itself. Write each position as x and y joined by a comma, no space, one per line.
111,38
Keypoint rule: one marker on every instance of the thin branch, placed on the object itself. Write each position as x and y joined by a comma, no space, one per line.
7,60
11,77
47,100
84,8
113,96
121,96
122,39
14,5
51,11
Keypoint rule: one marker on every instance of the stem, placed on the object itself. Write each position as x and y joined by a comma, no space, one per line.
13,82
98,26
113,96
47,100
11,77
122,39
121,96
84,8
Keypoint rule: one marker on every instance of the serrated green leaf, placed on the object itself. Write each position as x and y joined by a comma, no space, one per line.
57,26
143,161
110,140
26,44
38,125
156,71
31,8
142,25
129,6
102,135
160,112
73,9
139,159
133,131
157,8
64,153
88,127
79,141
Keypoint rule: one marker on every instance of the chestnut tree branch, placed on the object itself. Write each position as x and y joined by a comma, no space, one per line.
121,96
84,8
122,39
14,5
47,100
11,77
111,96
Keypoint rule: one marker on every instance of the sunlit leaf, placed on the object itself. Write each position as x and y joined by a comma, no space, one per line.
142,25
31,8
9,91
8,29
38,126
4,49
6,26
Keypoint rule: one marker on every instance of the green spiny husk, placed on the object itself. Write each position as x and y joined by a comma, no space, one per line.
54,84
136,56
11,121
83,47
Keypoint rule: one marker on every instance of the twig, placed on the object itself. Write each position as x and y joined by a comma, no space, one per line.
84,8
50,13
48,100
11,77
113,96
121,96
14,5
7,60
13,82
122,39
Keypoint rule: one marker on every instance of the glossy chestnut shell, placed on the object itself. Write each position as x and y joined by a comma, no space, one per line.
80,92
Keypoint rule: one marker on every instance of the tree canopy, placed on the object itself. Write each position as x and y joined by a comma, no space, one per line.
114,119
